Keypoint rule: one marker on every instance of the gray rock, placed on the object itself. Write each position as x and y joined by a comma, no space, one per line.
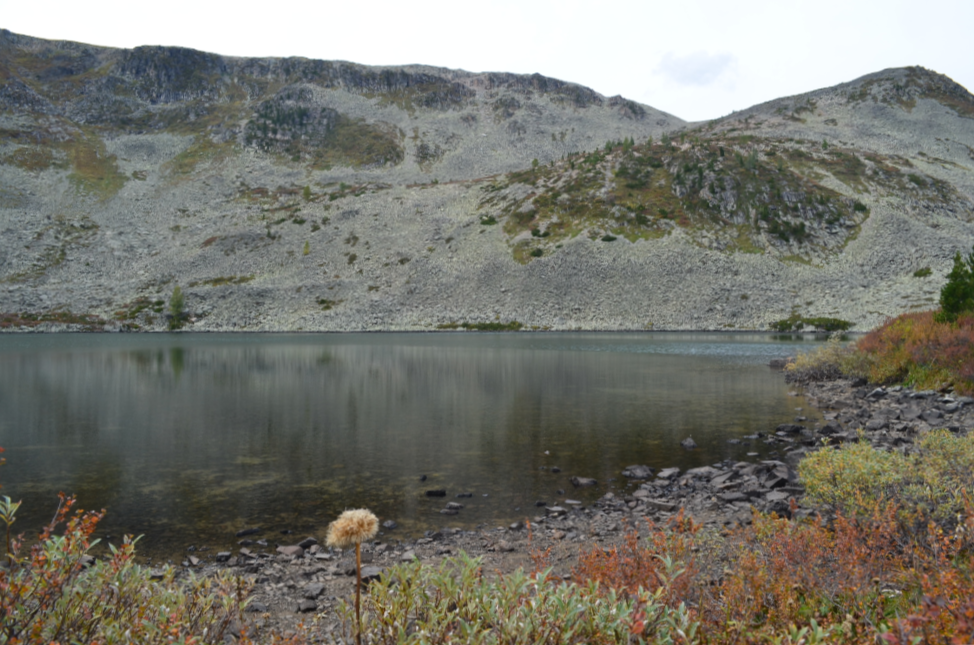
933,417
830,428
454,505
638,472
246,532
688,444
314,590
256,607
293,551
555,511
668,473
307,542
733,497
789,428
307,606
874,425
371,573
662,505
389,525
579,482
222,556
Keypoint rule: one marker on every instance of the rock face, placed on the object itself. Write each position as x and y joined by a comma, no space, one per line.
287,194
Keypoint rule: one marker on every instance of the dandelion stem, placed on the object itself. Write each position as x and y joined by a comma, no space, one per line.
358,593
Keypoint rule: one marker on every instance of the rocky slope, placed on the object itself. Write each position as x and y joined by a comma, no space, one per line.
291,194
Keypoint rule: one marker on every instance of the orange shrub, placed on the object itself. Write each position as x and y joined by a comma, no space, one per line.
915,349
636,564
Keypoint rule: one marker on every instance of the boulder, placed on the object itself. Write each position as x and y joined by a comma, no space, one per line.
688,444
579,482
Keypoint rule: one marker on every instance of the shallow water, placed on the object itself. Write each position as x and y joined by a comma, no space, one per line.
188,438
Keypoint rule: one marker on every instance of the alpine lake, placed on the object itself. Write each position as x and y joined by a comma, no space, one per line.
186,439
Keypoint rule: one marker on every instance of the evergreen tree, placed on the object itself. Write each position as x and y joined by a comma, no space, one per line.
176,303
957,296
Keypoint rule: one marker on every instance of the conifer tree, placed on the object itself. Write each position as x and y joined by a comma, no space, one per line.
957,296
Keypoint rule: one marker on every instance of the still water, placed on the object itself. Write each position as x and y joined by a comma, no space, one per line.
186,439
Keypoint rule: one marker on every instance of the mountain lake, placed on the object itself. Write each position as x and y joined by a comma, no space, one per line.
187,439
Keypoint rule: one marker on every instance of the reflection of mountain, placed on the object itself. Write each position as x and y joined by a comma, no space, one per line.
201,434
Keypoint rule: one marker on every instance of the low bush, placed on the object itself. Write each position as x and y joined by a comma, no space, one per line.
54,593
455,602
826,363
795,322
916,350
928,487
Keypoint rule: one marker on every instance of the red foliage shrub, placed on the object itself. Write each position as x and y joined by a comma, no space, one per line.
915,349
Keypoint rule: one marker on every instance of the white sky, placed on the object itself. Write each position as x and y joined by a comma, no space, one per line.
697,59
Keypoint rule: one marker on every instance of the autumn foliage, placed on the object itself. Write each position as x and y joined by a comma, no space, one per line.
917,350
780,581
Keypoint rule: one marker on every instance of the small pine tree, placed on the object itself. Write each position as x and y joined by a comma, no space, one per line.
957,296
176,304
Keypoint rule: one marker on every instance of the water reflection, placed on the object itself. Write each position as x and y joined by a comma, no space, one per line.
189,438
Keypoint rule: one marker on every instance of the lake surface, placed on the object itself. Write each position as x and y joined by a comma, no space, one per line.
189,438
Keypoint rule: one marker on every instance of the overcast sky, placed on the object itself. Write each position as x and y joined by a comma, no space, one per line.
697,59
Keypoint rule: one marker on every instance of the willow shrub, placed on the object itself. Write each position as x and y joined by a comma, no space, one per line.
455,603
53,593
930,486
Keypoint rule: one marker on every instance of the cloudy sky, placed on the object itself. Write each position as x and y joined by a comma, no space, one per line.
697,59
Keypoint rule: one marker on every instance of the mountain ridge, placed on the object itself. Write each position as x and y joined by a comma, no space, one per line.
286,194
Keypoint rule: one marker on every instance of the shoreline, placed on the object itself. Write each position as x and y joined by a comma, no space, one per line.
299,580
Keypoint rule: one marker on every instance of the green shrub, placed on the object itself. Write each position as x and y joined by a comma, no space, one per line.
796,322
922,273
486,326
455,603
928,486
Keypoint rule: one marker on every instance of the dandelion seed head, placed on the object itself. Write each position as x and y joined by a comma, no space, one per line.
352,527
